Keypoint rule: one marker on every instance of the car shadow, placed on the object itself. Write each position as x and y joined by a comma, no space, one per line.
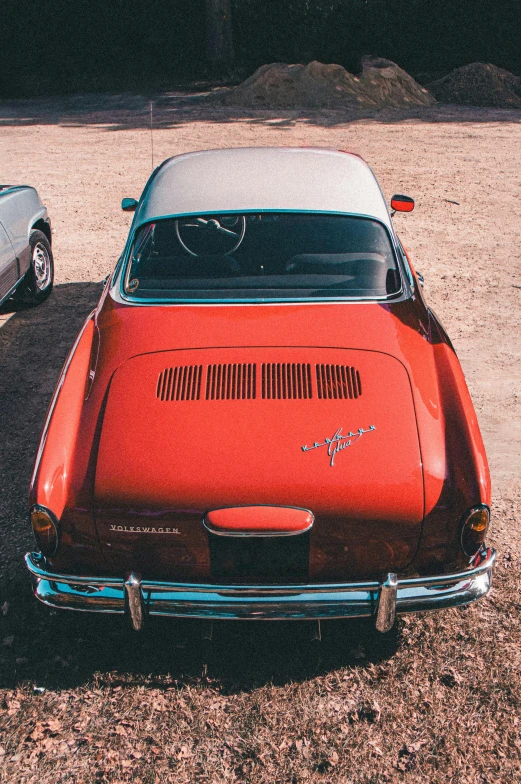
56,650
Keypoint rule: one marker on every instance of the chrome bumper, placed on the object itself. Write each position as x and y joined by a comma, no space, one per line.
140,598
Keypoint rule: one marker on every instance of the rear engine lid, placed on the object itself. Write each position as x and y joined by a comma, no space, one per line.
332,431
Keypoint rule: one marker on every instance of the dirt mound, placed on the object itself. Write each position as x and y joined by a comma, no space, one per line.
479,84
277,85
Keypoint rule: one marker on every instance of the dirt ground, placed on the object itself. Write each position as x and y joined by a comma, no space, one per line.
438,700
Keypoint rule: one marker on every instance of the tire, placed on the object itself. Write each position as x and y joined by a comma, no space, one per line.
38,281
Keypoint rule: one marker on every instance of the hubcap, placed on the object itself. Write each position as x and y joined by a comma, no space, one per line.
41,266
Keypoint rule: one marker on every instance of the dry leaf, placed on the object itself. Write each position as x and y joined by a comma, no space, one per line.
38,732
13,706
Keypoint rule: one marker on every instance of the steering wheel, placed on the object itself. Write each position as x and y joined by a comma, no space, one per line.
212,227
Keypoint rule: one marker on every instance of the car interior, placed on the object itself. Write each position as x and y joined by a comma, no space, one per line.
321,255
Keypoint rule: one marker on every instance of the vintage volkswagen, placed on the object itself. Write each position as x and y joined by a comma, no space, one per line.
262,419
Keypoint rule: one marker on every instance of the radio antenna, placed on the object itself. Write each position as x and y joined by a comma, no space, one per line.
152,133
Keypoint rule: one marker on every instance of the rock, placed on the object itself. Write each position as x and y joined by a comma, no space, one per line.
479,84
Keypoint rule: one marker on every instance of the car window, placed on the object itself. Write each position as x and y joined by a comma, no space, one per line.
262,256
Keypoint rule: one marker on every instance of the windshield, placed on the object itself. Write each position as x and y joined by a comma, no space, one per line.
261,256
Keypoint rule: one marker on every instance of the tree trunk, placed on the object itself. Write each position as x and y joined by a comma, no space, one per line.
219,39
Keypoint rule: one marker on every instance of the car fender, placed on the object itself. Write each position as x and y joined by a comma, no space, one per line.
20,209
54,460
467,477
464,441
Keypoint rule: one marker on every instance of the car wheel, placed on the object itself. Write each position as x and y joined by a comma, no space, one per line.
38,280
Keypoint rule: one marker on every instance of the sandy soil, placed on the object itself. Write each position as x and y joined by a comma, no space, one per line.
463,167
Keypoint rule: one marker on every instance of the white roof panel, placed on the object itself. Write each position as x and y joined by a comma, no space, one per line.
263,178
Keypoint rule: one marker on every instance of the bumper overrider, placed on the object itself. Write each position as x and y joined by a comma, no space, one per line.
140,598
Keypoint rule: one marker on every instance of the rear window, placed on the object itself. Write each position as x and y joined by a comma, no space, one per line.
261,256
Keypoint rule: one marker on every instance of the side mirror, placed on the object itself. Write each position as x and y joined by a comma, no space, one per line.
129,205
401,203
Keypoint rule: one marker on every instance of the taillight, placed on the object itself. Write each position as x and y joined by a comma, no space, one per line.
45,528
474,527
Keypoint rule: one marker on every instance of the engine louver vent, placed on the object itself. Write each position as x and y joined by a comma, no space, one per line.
286,381
231,382
279,381
338,381
180,383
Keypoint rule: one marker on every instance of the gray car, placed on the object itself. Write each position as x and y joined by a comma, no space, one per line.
26,260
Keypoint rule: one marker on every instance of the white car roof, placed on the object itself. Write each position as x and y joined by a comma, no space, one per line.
263,178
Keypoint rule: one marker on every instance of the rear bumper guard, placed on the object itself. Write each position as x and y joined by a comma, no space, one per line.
139,598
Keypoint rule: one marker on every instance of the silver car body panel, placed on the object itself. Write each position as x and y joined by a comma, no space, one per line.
285,179
20,209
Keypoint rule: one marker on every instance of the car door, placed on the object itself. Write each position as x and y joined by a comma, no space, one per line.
8,264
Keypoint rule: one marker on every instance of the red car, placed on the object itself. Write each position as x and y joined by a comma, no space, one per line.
262,418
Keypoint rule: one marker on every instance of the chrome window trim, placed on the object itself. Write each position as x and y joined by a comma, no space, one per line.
405,263
119,294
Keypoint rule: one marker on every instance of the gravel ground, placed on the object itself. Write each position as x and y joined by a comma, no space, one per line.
438,700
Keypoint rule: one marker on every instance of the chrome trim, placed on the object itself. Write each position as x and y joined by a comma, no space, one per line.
335,445
268,602
259,300
386,613
134,604
257,533
123,295
270,210
405,262
42,266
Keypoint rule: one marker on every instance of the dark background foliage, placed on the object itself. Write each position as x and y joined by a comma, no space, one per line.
81,45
